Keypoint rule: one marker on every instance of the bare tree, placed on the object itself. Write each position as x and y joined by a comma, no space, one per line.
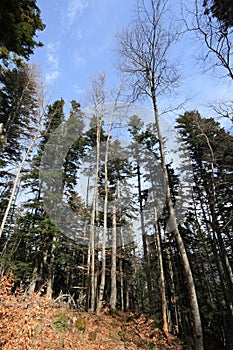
214,40
106,194
215,37
97,96
104,234
144,51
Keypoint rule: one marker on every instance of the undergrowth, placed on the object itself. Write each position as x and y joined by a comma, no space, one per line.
36,322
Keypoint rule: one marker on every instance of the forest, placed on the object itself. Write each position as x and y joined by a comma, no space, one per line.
102,206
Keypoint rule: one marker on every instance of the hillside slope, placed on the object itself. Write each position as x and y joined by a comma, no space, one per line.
34,322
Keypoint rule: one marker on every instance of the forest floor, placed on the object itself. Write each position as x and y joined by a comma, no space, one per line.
33,322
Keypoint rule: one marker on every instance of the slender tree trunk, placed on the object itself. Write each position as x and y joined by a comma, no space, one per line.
213,210
122,285
144,242
140,303
197,326
18,176
93,218
36,273
104,236
172,327
87,304
122,270
50,281
162,276
144,52
113,267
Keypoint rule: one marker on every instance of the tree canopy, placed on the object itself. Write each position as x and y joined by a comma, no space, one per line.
104,207
19,22
220,9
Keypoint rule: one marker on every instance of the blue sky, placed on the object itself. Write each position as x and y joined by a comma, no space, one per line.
79,42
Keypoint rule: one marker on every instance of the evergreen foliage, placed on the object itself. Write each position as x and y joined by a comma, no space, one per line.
19,22
220,9
116,253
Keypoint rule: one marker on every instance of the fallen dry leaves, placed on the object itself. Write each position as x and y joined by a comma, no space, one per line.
35,322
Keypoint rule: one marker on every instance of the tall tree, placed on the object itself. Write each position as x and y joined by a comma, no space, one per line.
97,97
136,128
21,113
54,250
144,52
210,148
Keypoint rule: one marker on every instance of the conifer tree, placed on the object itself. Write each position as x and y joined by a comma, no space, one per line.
144,59
19,23
210,148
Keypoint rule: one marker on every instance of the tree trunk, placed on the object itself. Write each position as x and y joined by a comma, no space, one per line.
18,176
197,326
50,280
113,267
103,271
145,250
93,217
162,277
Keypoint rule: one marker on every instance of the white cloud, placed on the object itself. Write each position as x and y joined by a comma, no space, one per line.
76,7
50,77
79,60
53,60
77,89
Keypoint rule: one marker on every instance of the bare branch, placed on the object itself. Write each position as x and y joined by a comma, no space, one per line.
215,38
143,50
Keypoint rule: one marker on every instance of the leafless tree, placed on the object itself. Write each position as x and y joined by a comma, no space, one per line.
97,98
144,52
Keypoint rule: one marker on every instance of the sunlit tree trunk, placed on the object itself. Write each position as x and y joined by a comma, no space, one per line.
197,326
97,96
162,276
113,260
50,279
144,241
144,53
93,217
17,177
104,235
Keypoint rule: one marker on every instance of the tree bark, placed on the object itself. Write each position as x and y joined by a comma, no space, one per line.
50,280
93,217
18,176
144,242
197,326
162,277
104,235
113,267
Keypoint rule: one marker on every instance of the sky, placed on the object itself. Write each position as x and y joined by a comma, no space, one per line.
79,42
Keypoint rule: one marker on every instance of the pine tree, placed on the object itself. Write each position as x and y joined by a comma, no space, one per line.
21,114
210,148
19,22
